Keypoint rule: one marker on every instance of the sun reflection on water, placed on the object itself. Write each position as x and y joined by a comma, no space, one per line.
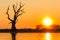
48,36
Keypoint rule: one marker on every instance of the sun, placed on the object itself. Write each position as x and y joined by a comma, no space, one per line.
47,21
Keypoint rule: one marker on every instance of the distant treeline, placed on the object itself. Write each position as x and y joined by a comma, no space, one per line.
29,30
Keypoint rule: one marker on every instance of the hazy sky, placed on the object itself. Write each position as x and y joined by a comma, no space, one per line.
35,11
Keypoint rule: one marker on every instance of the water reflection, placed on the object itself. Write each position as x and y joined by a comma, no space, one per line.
48,36
31,36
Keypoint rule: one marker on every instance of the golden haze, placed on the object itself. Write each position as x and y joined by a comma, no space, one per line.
35,11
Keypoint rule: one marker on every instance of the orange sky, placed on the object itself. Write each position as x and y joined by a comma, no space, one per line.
35,11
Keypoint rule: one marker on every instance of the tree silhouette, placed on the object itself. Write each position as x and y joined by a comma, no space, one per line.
17,13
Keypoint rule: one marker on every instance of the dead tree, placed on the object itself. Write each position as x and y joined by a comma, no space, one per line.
17,12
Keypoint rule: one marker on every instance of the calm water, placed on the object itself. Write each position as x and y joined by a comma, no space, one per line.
31,36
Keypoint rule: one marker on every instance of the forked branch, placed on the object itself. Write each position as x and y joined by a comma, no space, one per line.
8,14
17,12
14,8
20,8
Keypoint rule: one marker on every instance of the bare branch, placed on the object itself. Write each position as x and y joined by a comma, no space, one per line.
8,14
22,10
19,10
20,14
14,8
21,5
7,10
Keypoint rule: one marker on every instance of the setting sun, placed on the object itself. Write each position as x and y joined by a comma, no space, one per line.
47,21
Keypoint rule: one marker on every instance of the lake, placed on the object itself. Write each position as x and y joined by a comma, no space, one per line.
31,36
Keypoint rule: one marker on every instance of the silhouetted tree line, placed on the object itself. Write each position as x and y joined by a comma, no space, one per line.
54,28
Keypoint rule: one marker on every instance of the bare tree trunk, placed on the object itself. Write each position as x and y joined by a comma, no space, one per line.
13,25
